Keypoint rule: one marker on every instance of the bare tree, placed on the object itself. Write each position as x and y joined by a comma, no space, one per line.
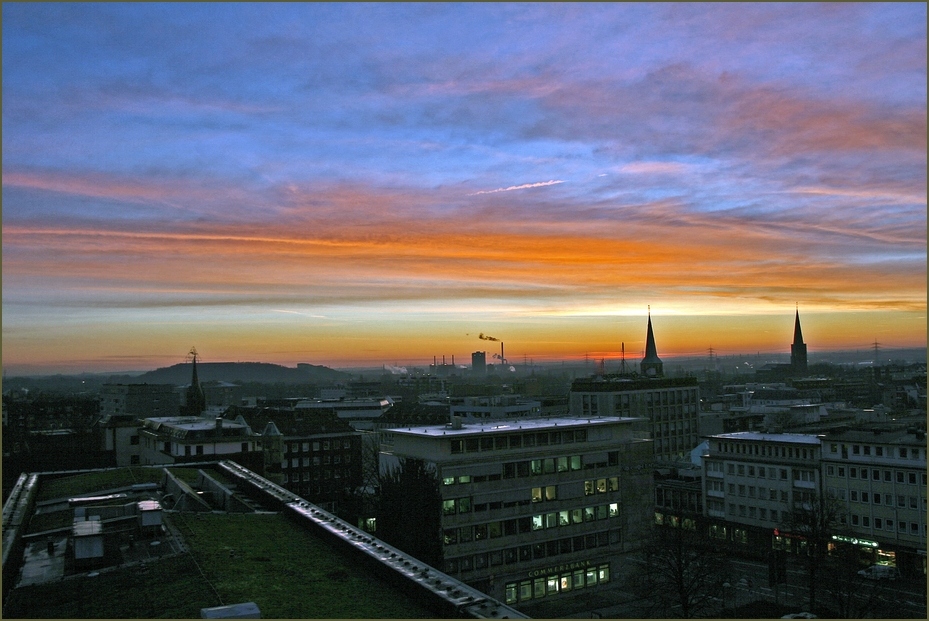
849,595
409,510
814,518
682,573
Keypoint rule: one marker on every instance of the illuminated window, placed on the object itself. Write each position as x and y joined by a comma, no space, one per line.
510,592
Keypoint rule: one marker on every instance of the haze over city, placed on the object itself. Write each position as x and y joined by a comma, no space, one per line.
366,184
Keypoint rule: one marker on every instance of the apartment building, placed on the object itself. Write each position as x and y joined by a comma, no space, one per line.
752,481
536,508
881,475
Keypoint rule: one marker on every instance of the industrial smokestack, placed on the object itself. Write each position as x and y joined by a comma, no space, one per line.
502,357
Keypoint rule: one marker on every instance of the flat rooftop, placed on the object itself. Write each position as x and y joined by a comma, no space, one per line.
202,560
510,426
754,436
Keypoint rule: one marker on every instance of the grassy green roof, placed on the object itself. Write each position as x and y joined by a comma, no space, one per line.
263,558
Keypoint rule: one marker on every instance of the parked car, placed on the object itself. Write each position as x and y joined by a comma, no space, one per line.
880,572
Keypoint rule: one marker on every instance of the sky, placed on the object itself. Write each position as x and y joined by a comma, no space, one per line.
348,184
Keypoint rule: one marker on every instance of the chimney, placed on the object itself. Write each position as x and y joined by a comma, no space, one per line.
502,357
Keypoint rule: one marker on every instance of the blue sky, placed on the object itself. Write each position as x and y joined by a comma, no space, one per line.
279,181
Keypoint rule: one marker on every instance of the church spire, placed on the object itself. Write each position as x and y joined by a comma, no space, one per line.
651,365
195,403
798,335
798,348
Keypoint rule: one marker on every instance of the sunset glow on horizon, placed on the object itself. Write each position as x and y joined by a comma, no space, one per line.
367,184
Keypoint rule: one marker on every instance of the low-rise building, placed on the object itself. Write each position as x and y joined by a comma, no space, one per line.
178,439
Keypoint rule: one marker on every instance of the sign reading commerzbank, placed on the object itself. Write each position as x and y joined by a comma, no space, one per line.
555,569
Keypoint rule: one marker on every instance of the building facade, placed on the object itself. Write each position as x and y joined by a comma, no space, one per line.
536,508
316,455
122,408
495,407
671,405
179,439
881,476
751,483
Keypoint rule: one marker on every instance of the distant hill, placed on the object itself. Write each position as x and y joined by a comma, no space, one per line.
261,372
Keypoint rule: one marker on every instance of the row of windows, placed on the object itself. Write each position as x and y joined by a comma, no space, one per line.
532,552
766,450
760,513
556,583
903,452
522,525
324,445
885,524
876,474
753,471
498,442
317,475
763,493
536,467
902,502
325,460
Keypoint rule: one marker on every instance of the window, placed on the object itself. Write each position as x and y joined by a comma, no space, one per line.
854,495
783,474
830,470
912,478
879,451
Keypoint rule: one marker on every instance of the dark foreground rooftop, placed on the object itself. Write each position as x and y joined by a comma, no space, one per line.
198,560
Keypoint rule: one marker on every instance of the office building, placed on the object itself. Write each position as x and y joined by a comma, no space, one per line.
535,508
881,475
751,483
